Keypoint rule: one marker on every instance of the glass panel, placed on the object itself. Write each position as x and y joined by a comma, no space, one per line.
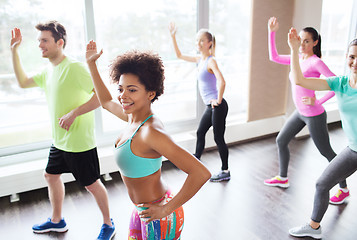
229,21
24,117
143,25
335,26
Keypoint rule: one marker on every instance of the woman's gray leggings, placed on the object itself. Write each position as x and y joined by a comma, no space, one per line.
318,132
341,167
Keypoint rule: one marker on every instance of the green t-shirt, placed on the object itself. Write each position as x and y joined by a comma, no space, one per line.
67,86
347,102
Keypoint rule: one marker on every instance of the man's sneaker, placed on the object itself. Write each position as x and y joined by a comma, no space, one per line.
49,226
277,182
340,197
306,231
107,232
221,176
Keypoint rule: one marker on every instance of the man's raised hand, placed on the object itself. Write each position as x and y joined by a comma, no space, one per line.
16,38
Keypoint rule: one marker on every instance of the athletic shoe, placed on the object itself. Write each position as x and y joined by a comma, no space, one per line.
221,176
306,231
107,232
340,197
277,182
50,226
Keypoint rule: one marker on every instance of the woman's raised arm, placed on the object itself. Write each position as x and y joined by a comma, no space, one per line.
104,96
173,29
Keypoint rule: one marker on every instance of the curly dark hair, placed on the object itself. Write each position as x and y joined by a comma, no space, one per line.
58,31
147,65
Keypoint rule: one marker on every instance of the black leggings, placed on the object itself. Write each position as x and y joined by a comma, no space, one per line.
215,117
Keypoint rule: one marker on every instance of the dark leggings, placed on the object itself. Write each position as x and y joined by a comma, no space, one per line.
318,132
341,167
215,117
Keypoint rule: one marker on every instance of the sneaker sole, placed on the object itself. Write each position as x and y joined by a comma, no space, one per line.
221,179
113,234
340,202
316,236
60,230
277,185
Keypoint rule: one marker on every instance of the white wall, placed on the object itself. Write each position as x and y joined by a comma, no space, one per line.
307,13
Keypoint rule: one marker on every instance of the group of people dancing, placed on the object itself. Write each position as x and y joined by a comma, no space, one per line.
306,68
73,93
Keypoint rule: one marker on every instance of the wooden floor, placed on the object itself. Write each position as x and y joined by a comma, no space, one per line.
243,208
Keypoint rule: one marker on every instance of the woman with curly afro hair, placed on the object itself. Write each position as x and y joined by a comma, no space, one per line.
158,214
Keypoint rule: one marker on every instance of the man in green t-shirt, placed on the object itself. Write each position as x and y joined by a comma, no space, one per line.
71,101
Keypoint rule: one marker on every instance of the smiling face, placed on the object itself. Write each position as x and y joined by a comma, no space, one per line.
49,48
203,44
307,43
352,59
133,95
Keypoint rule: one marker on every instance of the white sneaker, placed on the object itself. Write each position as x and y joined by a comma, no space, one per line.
306,231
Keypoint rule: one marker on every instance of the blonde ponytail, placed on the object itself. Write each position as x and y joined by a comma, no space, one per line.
213,46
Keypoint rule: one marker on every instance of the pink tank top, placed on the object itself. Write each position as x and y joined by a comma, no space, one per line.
311,67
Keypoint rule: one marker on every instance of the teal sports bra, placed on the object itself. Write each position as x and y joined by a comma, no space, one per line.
134,166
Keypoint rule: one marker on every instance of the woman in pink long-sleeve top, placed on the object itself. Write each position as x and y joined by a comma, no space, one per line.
309,110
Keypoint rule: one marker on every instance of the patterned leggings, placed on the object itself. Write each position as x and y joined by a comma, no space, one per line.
167,228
